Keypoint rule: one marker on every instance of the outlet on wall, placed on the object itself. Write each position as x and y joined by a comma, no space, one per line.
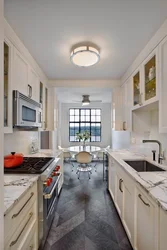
133,140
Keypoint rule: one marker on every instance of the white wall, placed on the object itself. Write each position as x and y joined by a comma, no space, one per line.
19,141
151,133
106,123
1,128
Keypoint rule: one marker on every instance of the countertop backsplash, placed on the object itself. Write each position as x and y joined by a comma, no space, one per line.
19,141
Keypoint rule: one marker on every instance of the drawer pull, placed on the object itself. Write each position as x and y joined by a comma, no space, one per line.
15,241
120,185
145,203
15,215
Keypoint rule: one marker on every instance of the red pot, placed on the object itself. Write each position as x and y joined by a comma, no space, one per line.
13,160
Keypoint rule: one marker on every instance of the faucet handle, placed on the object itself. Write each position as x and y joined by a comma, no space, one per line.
154,152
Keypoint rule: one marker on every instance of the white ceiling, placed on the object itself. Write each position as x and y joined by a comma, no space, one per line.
121,28
72,95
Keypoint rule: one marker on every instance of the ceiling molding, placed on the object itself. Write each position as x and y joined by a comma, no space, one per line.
84,83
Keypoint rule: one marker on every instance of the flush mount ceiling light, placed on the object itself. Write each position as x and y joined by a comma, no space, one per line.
85,56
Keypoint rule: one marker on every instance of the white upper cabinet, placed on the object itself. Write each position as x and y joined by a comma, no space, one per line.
150,70
33,84
127,104
137,88
21,69
26,79
8,71
145,82
163,86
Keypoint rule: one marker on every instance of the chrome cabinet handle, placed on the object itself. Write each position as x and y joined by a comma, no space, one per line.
44,125
15,215
29,91
15,241
120,185
145,203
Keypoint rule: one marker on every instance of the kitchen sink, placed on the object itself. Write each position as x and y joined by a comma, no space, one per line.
143,166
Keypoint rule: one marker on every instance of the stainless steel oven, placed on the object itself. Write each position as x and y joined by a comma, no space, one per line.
26,112
50,198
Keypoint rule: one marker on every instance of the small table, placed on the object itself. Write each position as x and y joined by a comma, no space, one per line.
90,149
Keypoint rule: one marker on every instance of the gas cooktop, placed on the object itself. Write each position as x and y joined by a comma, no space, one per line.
31,165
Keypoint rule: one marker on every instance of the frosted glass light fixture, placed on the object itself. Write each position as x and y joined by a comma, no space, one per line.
85,56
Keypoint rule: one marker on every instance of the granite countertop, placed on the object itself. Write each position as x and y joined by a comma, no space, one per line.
15,186
154,183
45,153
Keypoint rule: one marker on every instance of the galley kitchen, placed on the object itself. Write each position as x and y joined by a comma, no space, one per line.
83,125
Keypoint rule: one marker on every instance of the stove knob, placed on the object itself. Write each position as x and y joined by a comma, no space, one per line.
50,179
47,183
53,173
57,168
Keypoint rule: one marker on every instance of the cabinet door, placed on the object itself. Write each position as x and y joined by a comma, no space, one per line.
35,84
150,81
111,177
137,88
163,227
146,222
21,69
163,86
127,104
119,193
8,101
128,209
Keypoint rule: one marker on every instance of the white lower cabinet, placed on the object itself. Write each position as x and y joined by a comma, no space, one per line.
146,222
162,230
128,208
111,179
124,200
119,193
21,223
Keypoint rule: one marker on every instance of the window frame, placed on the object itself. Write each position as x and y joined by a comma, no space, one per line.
89,122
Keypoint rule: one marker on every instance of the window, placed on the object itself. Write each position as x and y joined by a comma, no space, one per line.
81,120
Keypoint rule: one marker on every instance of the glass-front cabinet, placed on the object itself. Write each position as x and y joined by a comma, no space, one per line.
144,81
136,81
6,85
150,78
7,88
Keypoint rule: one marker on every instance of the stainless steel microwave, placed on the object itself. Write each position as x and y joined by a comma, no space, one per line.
26,112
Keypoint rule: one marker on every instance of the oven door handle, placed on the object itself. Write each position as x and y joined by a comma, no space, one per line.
49,196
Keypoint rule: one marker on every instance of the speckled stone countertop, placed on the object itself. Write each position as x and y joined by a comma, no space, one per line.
45,153
15,186
154,183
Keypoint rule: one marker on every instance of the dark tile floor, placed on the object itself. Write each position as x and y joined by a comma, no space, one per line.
86,218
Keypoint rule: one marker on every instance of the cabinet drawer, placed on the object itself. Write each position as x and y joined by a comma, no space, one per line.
21,232
31,242
19,211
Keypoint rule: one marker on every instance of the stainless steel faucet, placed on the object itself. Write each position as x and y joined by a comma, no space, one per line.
160,155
